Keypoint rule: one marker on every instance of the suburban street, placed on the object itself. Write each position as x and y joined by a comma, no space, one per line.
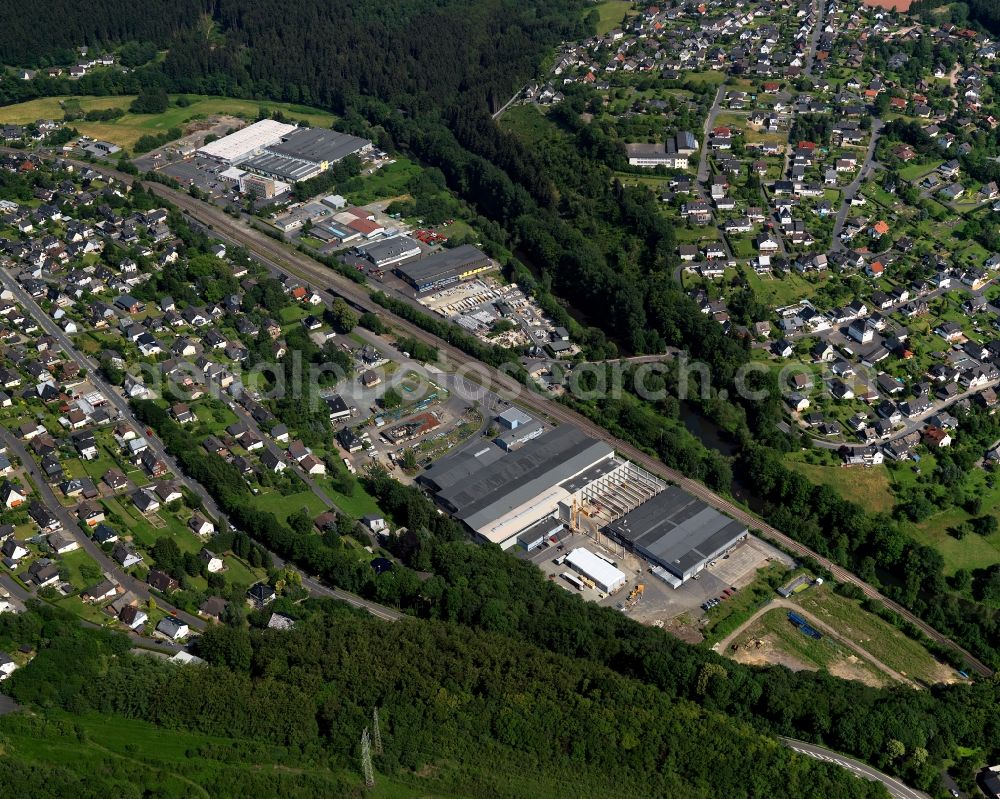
851,190
706,133
896,789
814,37
71,526
125,412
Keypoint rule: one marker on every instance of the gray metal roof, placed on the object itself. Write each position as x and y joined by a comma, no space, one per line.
513,417
282,166
318,145
389,249
541,464
444,265
676,530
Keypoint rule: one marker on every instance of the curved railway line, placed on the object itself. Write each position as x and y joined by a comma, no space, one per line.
322,279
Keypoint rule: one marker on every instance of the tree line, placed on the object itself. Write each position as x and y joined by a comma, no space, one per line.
479,701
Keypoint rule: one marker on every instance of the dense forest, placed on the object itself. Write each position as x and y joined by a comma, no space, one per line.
473,712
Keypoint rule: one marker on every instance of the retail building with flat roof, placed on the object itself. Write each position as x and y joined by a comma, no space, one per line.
445,267
319,145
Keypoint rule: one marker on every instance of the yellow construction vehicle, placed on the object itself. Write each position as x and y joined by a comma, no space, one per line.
635,595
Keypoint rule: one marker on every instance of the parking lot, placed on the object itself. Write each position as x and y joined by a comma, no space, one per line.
660,602
736,570
545,556
202,173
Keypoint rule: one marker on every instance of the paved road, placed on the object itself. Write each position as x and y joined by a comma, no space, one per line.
775,604
508,104
17,592
125,410
325,281
851,190
71,526
909,425
817,31
120,404
896,789
705,137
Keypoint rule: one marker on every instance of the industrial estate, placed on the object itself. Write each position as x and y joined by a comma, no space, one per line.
479,360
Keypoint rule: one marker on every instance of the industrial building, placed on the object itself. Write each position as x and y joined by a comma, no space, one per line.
516,428
533,537
282,167
678,532
320,146
283,151
606,577
239,145
512,418
522,434
261,187
389,251
501,495
674,153
445,267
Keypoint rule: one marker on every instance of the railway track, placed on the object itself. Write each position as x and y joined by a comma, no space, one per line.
327,281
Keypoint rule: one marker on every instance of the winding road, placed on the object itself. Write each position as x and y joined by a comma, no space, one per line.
71,527
896,789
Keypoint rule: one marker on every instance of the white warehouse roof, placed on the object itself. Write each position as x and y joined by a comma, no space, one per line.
244,142
607,577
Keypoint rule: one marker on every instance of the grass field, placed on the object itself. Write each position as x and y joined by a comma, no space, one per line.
777,292
729,615
283,507
390,181
530,125
610,14
916,171
971,551
359,504
782,643
876,636
870,488
126,130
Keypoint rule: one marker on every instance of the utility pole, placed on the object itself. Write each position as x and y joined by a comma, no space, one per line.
376,733
366,759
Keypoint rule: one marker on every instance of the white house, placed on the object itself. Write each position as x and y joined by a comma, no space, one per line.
172,628
7,666
213,563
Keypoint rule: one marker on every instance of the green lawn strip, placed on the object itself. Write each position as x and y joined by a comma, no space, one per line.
878,637
610,14
391,180
729,615
818,654
284,506
869,487
127,129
